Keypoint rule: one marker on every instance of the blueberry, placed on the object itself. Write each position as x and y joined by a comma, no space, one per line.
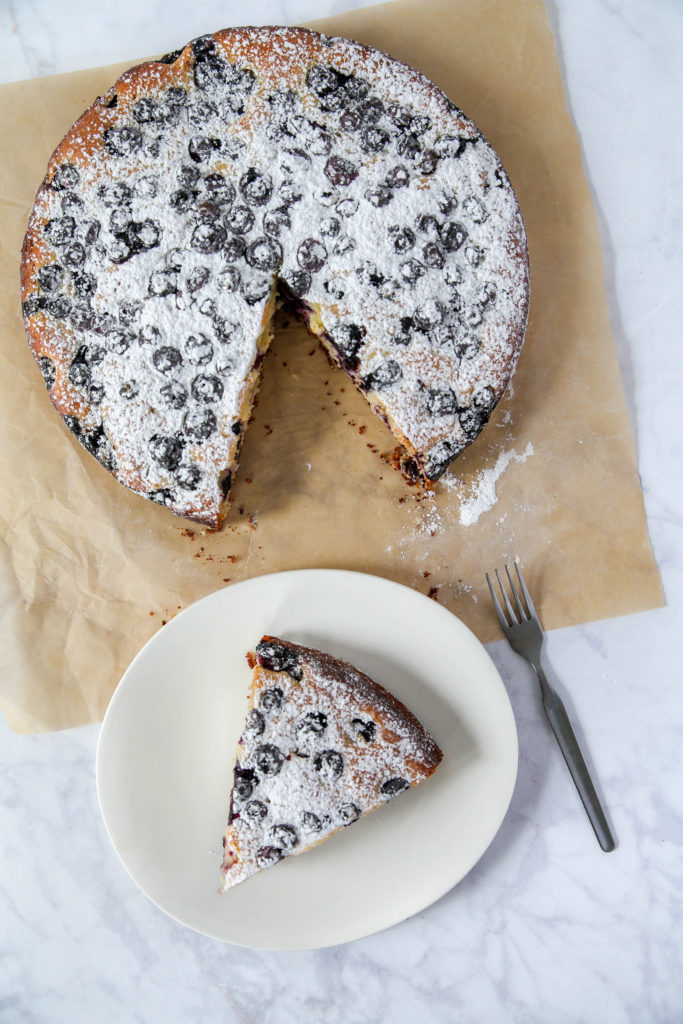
120,250
220,190
310,823
33,305
145,188
148,111
372,110
428,161
94,354
433,256
275,221
269,759
200,424
298,282
163,283
60,229
227,330
349,813
74,424
119,341
71,202
335,288
330,226
182,199
255,289
398,177
472,318
244,782
401,116
206,389
167,358
66,176
97,443
167,451
474,255
129,389
484,400
373,139
356,88
175,259
412,270
84,284
173,394
59,307
428,225
343,244
267,856
47,368
199,349
340,171
264,253
129,313
347,339
272,698
254,811
255,724
404,334
79,373
468,347
486,294
229,279
311,255
450,146
441,402
392,787
313,724
208,237
50,277
96,394
240,219
278,658
475,209
351,119
201,148
289,193
89,232
144,235
234,248
403,238
380,196
285,836
383,376
408,146
471,421
256,188
122,141
116,194
322,80
149,335
162,496
119,219
329,764
428,315
197,278
364,728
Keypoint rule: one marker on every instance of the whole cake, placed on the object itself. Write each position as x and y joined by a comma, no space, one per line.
322,745
252,164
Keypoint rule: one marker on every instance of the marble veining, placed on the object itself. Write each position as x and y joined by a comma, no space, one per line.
545,928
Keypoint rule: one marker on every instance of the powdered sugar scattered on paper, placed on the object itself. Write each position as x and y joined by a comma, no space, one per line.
483,495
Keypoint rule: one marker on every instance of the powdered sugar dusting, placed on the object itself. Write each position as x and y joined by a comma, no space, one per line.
483,496
179,200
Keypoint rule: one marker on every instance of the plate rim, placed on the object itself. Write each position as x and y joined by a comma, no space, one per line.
408,910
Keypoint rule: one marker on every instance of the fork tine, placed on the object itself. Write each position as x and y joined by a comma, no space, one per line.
510,609
515,594
496,604
527,595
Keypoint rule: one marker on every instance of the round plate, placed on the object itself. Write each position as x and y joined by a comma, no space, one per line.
167,747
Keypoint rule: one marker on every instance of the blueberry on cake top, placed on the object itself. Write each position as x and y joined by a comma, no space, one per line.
322,745
259,162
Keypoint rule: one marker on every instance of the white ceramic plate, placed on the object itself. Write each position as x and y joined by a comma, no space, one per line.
166,752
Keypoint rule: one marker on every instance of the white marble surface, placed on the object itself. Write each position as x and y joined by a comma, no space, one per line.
546,928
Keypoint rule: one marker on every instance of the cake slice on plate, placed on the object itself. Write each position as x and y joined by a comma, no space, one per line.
322,745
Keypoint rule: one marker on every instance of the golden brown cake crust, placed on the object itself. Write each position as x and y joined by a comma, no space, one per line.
377,206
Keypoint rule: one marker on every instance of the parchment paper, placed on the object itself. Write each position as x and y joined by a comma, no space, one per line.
89,571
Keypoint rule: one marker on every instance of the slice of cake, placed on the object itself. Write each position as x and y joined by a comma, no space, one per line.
256,162
322,745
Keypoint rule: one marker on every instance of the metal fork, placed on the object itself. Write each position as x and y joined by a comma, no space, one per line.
525,635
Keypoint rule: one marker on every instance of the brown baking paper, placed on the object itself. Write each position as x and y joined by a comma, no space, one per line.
89,571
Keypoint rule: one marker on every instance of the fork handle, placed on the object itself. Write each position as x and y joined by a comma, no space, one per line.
569,745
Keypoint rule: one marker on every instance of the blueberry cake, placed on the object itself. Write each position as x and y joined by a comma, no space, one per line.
322,745
254,166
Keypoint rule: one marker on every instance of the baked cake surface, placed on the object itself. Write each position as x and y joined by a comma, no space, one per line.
322,745
252,161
